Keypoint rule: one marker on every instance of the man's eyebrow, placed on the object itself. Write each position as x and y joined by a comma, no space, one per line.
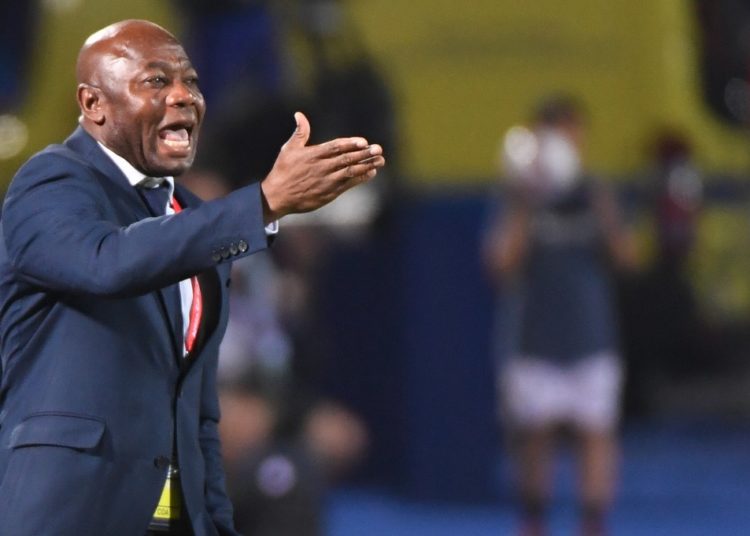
164,65
158,65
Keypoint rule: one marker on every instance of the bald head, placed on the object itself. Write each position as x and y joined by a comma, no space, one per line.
139,96
119,40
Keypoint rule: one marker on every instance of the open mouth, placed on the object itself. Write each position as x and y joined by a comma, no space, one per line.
177,137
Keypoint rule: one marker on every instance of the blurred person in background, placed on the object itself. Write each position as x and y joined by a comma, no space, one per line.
284,54
287,358
669,339
343,75
549,251
677,198
281,460
333,68
283,444
320,60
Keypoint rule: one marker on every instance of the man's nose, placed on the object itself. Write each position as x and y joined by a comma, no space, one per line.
181,94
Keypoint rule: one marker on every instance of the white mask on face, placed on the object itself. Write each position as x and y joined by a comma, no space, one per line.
546,160
558,162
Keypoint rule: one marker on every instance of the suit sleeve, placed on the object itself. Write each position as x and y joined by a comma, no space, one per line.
60,233
217,502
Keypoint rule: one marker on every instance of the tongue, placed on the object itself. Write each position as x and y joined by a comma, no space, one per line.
175,135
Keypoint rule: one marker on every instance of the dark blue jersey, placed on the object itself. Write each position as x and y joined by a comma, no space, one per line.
566,300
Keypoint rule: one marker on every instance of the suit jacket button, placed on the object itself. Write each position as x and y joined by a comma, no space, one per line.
242,246
224,253
233,249
161,462
216,256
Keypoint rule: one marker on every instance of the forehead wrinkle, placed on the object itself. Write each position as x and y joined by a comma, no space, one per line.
99,58
105,66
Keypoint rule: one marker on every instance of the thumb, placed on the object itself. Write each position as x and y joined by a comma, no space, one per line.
301,134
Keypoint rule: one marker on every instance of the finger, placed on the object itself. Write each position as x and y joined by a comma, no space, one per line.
340,146
358,169
372,153
371,159
376,149
301,134
375,161
377,158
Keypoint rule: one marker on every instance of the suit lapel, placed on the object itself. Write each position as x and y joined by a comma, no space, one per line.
169,296
134,207
210,285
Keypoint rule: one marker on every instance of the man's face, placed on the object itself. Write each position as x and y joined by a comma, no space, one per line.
153,108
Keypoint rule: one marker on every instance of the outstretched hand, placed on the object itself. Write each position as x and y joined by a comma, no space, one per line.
306,177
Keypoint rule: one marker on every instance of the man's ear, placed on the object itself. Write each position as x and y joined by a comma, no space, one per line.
91,102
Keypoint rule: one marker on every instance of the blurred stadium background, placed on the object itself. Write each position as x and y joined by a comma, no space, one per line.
409,344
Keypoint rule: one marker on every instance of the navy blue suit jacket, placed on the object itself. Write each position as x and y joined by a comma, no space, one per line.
95,388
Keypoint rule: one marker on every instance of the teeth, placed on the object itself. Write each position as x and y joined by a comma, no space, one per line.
177,144
176,139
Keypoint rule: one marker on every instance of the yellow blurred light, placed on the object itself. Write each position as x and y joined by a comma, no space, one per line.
14,135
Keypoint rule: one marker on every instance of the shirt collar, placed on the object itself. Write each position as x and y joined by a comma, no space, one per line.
135,177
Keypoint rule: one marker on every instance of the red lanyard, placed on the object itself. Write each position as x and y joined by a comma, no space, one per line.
196,308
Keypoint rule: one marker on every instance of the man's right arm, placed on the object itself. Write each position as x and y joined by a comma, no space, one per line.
60,235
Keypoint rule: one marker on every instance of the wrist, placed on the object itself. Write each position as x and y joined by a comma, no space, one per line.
271,211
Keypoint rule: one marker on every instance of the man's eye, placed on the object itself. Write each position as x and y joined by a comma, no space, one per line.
157,81
192,81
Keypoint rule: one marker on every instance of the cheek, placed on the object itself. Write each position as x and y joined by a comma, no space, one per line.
120,133
148,124
199,102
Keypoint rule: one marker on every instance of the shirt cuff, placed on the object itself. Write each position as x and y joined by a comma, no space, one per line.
272,228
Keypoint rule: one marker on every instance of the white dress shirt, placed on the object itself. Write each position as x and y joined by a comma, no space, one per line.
135,177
